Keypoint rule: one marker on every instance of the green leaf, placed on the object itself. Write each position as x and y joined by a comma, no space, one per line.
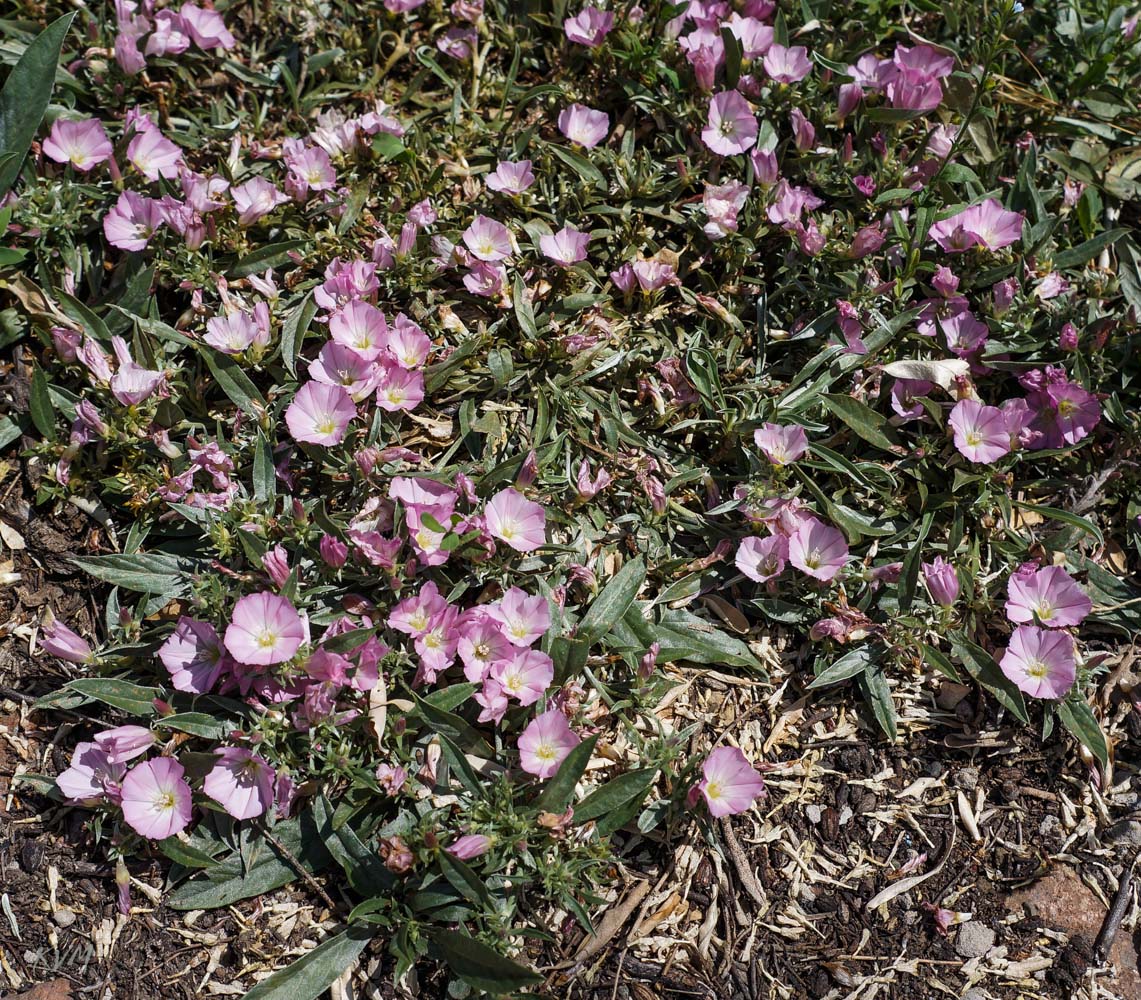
315,971
981,666
873,684
366,872
633,785
40,404
456,729
465,881
272,255
1079,720
293,332
580,165
940,662
265,476
610,605
851,664
185,854
909,572
480,966
157,573
134,699
25,97
683,636
197,724
1056,514
559,790
459,766
1088,250
235,383
866,422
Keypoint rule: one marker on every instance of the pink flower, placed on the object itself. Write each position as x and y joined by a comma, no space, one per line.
588,487
545,744
510,178
942,581
124,743
1040,661
514,519
781,445
362,327
761,559
487,239
787,65
408,344
986,224
132,221
470,846
1050,595
169,37
154,155
400,389
732,126
233,333
241,782
414,615
91,777
525,676
482,643
980,431
590,27
583,125
265,629
59,641
256,198
156,799
722,202
730,784
1074,412
206,27
566,247
522,619
320,413
754,35
817,549
391,779
193,655
336,364
904,397
83,144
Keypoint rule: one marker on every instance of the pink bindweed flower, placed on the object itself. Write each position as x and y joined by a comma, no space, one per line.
732,126
755,36
905,393
154,155
986,224
817,549
124,743
787,65
781,445
193,656
587,487
336,364
514,519
156,798
333,551
980,431
470,846
722,203
206,27
255,199
566,247
487,239
590,27
83,144
522,619
762,559
482,643
942,582
59,641
92,777
320,413
729,784
276,564
545,744
241,782
391,779
169,37
233,333
584,126
414,615
524,676
265,629
132,221
1040,661
400,389
510,178
362,327
1069,414
1049,596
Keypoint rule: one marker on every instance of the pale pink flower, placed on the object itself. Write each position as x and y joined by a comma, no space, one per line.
193,655
337,364
545,744
942,581
755,36
583,125
523,619
320,413
986,224
511,178
206,27
362,327
781,445
132,221
156,799
470,846
588,487
408,344
1040,661
391,779
761,559
414,615
1050,594
59,641
154,155
124,743
514,519
83,144
1070,415
817,549
265,629
233,333
566,247
169,37
482,643
91,777
589,27
400,389
729,784
241,782
732,126
722,202
525,675
787,65
905,395
487,239
255,199
980,431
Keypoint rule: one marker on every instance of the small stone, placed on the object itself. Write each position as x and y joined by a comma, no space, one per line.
64,917
1128,831
934,769
1050,826
974,940
966,778
975,994
813,812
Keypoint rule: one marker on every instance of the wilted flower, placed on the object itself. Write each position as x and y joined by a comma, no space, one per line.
91,777
124,743
58,640
470,846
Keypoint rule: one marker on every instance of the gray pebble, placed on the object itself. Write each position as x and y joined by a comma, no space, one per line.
1126,832
813,812
64,917
974,940
966,778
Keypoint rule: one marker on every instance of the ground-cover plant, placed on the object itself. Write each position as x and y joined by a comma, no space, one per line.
432,370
